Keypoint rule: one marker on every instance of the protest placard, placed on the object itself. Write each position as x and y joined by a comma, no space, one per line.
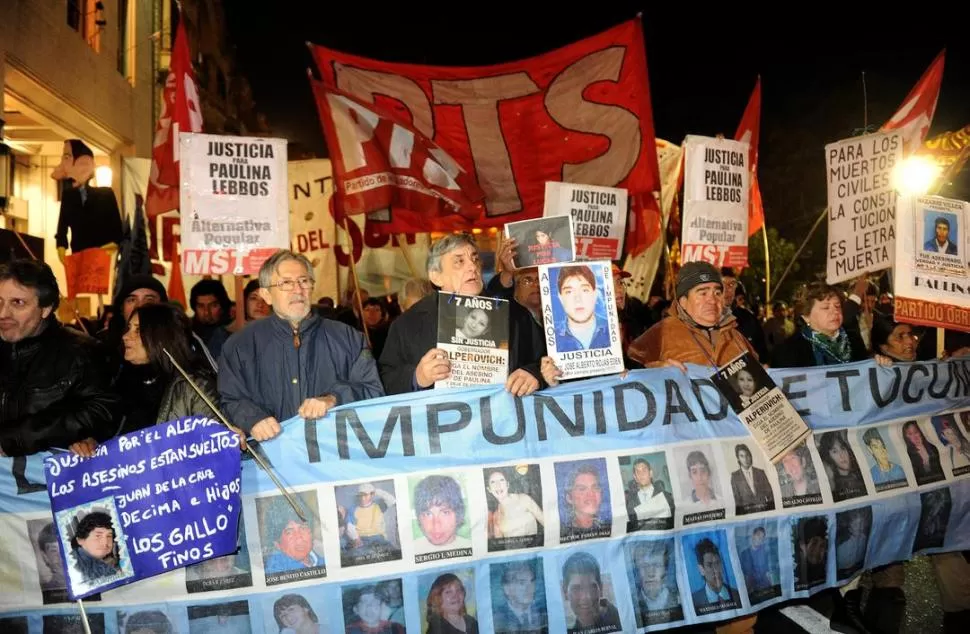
598,213
716,190
474,331
761,405
580,320
932,281
148,502
234,203
862,204
542,241
88,271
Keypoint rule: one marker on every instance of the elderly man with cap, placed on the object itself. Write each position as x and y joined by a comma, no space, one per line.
702,330
411,360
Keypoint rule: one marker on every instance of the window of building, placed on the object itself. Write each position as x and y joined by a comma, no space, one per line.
87,18
127,29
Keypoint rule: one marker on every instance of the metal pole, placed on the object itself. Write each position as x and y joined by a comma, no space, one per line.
84,617
222,418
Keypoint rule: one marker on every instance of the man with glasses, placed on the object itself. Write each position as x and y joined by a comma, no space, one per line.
293,362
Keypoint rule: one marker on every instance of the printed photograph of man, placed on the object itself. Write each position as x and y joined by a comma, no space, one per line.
515,518
799,482
541,241
699,484
220,618
222,573
370,532
518,597
14,625
292,548
749,484
810,543
471,323
649,503
841,465
584,500
366,611
589,608
144,622
933,519
585,326
884,465
72,623
449,606
956,448
653,581
93,548
923,454
757,546
47,553
709,573
941,233
439,525
851,541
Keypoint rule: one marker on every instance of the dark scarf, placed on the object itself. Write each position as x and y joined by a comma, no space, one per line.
829,350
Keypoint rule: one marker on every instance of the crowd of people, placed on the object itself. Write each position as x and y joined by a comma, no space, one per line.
64,390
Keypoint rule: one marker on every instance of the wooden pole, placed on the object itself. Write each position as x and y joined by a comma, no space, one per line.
764,234
240,320
353,272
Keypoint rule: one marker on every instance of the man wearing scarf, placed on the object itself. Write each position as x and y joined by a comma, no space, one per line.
702,330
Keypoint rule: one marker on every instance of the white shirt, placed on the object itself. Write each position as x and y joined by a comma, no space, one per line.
651,505
660,603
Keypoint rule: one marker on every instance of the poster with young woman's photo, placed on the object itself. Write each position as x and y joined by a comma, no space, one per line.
956,447
580,315
514,497
841,465
923,455
474,331
542,241
774,423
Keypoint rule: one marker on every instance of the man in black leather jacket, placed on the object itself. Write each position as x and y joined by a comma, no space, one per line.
53,380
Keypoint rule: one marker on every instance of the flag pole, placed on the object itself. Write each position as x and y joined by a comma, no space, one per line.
764,235
801,248
84,617
222,418
353,272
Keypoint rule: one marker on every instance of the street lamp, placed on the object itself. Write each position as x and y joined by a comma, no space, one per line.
102,176
915,176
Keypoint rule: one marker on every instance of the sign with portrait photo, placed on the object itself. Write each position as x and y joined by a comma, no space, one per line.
761,405
939,232
598,217
474,331
542,241
580,318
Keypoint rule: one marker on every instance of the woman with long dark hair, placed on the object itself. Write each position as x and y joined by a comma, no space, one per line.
152,390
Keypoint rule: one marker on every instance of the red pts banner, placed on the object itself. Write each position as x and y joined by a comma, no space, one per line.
381,164
580,114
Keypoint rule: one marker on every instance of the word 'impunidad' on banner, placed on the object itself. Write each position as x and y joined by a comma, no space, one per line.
580,320
599,217
461,493
932,279
233,203
717,183
148,502
862,204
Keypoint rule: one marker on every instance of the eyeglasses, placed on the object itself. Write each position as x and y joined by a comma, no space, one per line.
289,285
528,281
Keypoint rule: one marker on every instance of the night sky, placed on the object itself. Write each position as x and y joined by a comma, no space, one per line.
702,64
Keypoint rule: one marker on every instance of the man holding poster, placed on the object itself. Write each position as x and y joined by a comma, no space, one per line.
413,361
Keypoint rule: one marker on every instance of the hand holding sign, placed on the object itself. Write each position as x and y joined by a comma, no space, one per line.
433,366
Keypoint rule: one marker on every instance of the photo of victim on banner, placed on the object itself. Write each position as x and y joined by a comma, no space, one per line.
542,241
474,331
761,405
598,215
939,234
579,313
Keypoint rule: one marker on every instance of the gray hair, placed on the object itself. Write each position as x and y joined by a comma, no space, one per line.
445,246
416,287
271,265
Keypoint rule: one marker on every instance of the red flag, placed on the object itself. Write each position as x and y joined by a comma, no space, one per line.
181,112
749,130
380,162
914,116
578,114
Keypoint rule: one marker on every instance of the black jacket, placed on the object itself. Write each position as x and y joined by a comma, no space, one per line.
94,223
416,331
749,326
796,351
54,391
